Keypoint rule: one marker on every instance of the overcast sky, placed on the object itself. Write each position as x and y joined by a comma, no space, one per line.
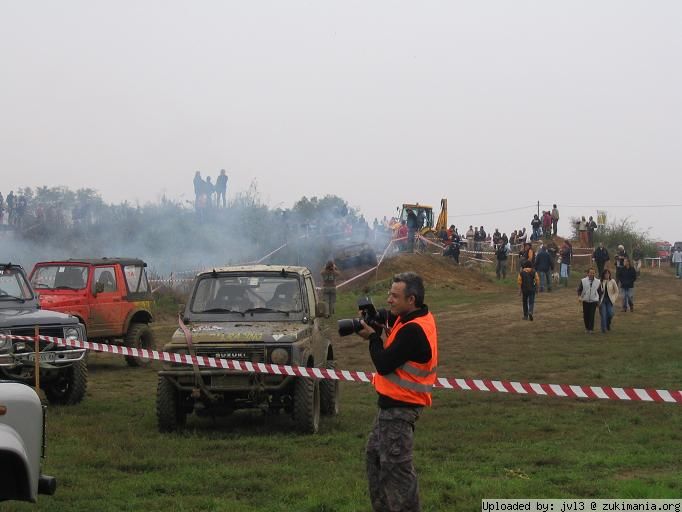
494,105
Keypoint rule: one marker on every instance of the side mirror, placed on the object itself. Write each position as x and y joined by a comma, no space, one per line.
322,309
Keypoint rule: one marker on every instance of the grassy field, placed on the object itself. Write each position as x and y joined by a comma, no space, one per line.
107,454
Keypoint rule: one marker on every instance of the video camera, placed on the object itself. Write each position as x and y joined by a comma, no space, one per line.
375,318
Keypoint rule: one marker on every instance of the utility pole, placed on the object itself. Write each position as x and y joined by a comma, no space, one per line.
538,208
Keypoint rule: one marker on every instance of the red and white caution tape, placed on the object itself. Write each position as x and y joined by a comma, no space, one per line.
493,386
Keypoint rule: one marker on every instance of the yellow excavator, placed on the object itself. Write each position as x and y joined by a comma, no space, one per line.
425,221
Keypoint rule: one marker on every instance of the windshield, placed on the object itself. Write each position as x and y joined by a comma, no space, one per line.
60,277
13,285
247,294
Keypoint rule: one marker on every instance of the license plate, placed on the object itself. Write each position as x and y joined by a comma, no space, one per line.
45,357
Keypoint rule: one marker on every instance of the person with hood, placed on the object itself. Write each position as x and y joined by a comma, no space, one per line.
608,295
544,265
619,261
566,255
600,256
528,281
628,276
588,294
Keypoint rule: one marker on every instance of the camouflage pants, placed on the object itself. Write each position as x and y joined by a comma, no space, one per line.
392,479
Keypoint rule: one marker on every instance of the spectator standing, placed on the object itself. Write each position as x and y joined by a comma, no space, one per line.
403,234
582,232
621,256
470,238
588,294
198,189
544,267
536,223
546,225
522,236
411,229
591,227
677,261
528,282
526,255
209,189
637,258
501,253
221,189
600,256
608,295
566,256
2,208
329,274
628,276
555,218
10,207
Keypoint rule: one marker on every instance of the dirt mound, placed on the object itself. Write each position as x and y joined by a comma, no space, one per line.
434,269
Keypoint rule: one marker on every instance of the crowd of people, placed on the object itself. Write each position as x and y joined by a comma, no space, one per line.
15,207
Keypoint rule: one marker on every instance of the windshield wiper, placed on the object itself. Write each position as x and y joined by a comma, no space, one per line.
267,310
221,310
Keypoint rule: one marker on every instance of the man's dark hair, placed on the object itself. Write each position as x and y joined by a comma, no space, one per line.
413,286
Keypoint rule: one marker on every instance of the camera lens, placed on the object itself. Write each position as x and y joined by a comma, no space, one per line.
349,326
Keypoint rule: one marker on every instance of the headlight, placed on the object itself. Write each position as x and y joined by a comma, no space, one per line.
71,334
279,356
5,341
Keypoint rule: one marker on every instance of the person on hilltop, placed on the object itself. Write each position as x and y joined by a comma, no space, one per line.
608,295
581,227
405,374
198,183
221,189
544,265
329,274
628,276
209,190
566,256
546,225
2,208
528,281
555,219
588,294
536,223
521,236
600,256
591,228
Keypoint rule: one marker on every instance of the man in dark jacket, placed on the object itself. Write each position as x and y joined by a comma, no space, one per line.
628,276
600,256
619,261
411,229
544,267
501,253
221,189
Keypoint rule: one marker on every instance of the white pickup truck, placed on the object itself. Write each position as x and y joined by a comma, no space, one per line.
22,442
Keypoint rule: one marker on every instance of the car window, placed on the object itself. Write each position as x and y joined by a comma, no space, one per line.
136,278
56,277
106,277
240,293
13,284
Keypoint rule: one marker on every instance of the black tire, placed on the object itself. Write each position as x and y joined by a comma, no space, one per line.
139,336
170,416
69,386
329,394
306,411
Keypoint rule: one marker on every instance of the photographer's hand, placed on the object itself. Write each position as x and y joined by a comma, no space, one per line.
366,330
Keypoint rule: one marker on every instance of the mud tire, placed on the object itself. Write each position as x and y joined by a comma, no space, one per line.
306,412
329,394
170,416
69,387
139,336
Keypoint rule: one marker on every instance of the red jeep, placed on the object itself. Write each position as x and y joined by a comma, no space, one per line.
110,296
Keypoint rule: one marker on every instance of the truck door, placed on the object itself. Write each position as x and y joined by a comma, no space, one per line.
105,303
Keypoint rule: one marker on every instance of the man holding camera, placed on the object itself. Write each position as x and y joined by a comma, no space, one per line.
406,372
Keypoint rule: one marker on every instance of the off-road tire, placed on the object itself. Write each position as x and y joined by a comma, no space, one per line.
329,394
70,385
170,416
306,411
139,336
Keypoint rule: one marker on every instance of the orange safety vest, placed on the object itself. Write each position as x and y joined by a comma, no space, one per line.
412,382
